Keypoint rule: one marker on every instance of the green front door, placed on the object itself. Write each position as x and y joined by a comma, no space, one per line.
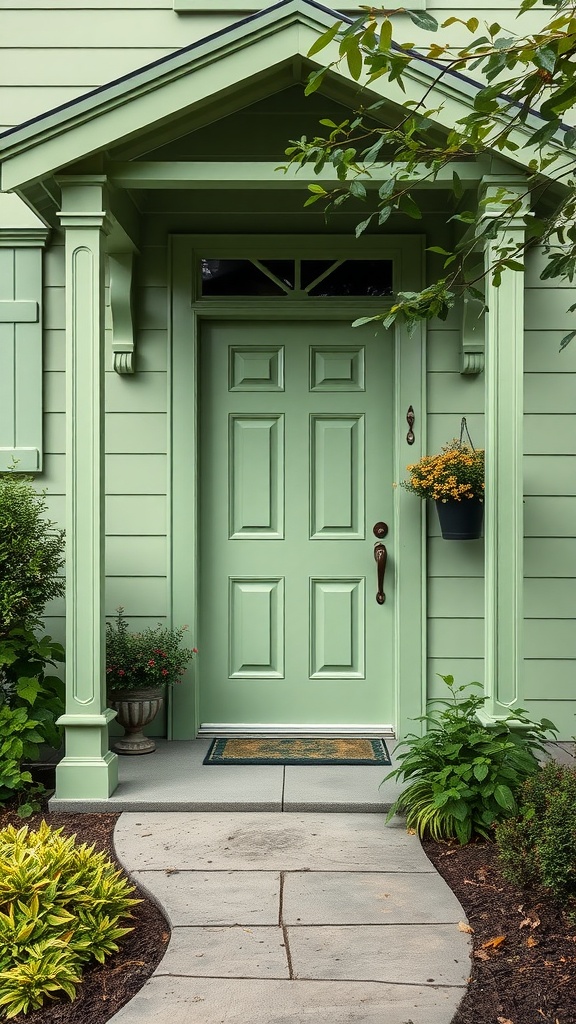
295,470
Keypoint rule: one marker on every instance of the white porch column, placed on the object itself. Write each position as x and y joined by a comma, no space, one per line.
89,770
504,517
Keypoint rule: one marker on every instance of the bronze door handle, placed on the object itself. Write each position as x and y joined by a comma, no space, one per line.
381,556
380,530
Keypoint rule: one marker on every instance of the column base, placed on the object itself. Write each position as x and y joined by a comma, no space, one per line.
87,778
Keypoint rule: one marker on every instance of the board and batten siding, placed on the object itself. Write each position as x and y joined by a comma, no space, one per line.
136,449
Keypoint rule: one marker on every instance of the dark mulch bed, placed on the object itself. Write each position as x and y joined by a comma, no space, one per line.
524,961
523,969
108,986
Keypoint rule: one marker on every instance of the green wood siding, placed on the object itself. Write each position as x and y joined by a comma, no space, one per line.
455,570
550,502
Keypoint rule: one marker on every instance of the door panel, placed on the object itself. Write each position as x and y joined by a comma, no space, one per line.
296,467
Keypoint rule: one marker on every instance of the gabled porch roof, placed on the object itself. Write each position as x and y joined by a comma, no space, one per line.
205,80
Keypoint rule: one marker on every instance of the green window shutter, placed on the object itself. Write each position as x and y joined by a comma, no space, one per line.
21,348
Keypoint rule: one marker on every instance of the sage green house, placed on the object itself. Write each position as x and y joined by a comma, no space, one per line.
179,371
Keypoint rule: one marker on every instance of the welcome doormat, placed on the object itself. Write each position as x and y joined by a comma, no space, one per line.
297,751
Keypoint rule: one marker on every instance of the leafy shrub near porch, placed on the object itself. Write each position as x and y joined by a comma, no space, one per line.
463,775
538,845
19,740
31,553
60,907
31,698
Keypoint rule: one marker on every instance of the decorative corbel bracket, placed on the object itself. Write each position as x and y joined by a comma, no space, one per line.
122,311
472,336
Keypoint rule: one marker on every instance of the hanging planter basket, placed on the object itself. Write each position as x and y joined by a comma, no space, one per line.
461,520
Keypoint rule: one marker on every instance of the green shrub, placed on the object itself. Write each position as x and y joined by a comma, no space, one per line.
31,553
19,741
31,701
538,845
464,775
24,681
60,907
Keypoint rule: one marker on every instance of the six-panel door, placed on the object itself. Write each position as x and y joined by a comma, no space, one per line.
296,456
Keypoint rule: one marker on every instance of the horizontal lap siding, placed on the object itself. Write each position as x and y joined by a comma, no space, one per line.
52,52
550,500
136,438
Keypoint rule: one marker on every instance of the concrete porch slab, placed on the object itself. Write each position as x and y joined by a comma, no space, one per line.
343,788
174,778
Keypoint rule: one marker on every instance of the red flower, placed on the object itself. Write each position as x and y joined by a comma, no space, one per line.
121,672
152,662
194,650
164,671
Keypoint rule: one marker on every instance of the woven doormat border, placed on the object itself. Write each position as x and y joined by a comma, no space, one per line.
216,755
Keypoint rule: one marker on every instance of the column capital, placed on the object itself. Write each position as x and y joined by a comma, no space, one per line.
505,195
84,201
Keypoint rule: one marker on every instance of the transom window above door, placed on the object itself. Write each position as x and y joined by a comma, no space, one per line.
295,278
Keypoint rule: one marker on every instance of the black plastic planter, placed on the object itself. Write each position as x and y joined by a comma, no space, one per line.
461,520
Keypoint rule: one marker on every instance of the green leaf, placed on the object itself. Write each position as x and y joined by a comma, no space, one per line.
357,189
385,34
324,39
354,61
408,206
544,57
439,250
315,80
423,19
547,725
361,227
480,771
28,689
513,265
505,798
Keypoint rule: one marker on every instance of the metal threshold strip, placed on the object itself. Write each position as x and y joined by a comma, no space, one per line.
273,729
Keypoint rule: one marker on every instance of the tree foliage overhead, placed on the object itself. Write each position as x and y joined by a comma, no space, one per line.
526,89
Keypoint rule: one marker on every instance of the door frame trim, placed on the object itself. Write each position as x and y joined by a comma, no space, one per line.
186,312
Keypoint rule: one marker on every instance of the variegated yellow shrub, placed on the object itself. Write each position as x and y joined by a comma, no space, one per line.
60,907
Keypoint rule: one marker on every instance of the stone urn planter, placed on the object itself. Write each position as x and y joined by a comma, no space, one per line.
135,709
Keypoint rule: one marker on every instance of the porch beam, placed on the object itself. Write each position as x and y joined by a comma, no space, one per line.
238,174
88,770
504,518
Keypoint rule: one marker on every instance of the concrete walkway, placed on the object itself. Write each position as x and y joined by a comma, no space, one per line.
287,918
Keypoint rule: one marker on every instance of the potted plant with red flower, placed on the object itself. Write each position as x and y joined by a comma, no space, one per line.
139,667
